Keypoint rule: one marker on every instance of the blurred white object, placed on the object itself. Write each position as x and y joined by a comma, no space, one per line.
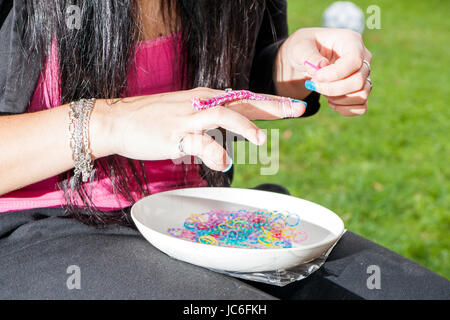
344,14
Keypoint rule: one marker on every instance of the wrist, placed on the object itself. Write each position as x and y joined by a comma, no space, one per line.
101,127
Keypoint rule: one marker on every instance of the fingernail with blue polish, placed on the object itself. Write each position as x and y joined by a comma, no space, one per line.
230,164
310,85
296,101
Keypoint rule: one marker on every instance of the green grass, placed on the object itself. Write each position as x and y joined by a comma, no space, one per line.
386,174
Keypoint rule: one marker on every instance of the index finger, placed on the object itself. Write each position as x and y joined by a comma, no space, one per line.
254,106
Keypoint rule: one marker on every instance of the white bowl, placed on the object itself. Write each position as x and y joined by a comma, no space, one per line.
154,214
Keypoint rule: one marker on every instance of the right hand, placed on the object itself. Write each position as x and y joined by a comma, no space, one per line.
151,127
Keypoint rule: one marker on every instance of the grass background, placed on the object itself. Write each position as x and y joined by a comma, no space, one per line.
386,174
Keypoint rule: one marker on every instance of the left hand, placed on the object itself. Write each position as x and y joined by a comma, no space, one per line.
344,64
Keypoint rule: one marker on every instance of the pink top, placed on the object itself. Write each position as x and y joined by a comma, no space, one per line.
153,72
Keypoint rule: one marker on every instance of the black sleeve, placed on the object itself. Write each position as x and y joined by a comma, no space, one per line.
272,33
5,8
18,73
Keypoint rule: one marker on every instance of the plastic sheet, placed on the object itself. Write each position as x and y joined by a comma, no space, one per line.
284,277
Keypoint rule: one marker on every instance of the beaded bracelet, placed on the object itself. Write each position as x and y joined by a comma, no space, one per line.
79,114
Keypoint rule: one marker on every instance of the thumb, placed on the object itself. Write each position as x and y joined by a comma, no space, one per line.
306,56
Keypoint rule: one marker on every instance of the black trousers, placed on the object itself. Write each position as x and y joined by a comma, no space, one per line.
44,256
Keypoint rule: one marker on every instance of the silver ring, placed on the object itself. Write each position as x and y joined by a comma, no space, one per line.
287,113
370,82
368,66
291,108
283,104
181,146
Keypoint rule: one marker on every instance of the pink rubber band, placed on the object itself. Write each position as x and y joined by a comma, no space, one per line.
312,65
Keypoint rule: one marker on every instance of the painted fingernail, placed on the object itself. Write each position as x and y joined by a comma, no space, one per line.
297,101
358,111
230,164
261,137
310,85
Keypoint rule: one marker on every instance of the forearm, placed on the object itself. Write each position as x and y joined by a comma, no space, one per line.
35,146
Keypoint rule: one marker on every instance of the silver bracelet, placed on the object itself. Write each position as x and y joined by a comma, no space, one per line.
79,115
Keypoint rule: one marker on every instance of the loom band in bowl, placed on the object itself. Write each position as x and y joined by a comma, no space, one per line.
252,226
277,234
276,222
262,224
230,223
228,216
258,216
300,237
223,227
214,230
208,225
188,234
203,217
253,235
245,231
191,227
215,215
269,236
252,239
194,215
277,226
241,225
191,221
201,226
217,236
241,218
277,245
232,235
208,240
175,232
277,216
189,239
289,216
289,232
266,243
281,246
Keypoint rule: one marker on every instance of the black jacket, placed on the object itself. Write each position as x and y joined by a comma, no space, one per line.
16,89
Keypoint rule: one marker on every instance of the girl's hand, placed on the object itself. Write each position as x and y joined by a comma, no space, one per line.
344,64
151,127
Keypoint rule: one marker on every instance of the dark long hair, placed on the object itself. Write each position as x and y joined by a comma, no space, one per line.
94,61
